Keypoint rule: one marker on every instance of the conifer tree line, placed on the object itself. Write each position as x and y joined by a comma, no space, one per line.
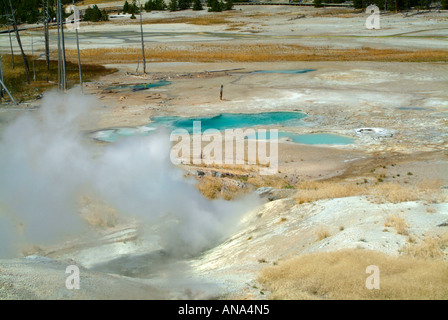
389,5
95,14
400,5
176,5
29,11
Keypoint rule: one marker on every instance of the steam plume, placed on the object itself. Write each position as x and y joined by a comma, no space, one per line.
46,164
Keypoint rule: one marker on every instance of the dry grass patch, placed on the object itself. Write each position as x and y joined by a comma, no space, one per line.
231,188
273,181
253,52
431,247
92,2
394,192
309,191
97,214
397,222
15,79
216,188
336,12
200,20
322,233
387,192
427,190
430,210
342,275
236,26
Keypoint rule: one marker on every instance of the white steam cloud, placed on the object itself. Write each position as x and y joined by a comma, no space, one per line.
46,164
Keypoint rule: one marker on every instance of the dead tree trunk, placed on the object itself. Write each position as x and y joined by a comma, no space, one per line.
32,55
7,91
76,18
58,23
1,77
143,43
64,77
16,30
12,50
47,38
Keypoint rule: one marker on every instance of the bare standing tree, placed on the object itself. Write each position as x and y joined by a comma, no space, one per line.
1,77
76,18
143,43
64,76
32,56
16,30
10,44
58,17
47,39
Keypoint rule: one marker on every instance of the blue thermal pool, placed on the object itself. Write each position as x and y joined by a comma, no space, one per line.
140,87
412,108
220,122
230,121
313,138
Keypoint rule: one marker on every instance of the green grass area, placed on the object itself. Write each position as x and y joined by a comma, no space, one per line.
15,79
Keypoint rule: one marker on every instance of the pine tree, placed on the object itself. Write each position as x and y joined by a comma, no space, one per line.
104,15
215,6
184,4
357,4
197,5
126,7
317,3
172,6
149,6
134,8
444,4
155,5
94,14
228,5
159,5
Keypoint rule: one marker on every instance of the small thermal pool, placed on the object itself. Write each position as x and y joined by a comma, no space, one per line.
411,108
140,87
114,134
